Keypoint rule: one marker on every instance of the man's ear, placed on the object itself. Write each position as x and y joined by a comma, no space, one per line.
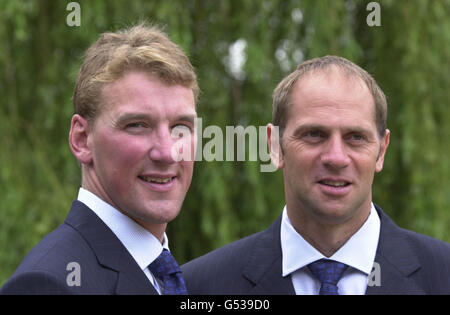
273,138
383,147
78,139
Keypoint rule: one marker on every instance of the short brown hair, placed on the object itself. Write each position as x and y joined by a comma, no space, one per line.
141,48
282,93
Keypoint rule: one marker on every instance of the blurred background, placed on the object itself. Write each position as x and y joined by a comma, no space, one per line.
241,49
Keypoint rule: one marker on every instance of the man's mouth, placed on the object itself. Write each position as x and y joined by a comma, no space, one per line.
334,183
157,180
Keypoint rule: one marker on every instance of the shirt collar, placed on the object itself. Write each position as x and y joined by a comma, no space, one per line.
143,246
358,252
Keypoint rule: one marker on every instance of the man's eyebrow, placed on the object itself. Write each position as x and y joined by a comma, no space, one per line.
304,127
322,127
126,117
190,118
357,129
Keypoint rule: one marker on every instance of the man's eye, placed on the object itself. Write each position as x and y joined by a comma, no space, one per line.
135,125
356,137
180,131
313,134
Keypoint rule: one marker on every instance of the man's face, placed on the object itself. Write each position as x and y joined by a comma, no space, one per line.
331,148
131,143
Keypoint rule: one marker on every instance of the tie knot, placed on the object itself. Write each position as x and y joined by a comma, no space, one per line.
164,265
327,270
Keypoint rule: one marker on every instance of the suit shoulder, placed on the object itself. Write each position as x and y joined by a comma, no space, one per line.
429,248
432,253
34,283
56,250
221,271
231,254
434,259
45,269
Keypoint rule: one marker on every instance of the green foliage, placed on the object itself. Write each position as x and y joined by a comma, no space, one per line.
408,55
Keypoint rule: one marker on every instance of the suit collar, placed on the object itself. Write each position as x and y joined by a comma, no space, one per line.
109,251
264,267
396,260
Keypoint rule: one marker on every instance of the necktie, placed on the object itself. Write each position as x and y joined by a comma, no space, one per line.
328,272
166,269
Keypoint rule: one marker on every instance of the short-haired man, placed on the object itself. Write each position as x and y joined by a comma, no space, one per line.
330,238
135,92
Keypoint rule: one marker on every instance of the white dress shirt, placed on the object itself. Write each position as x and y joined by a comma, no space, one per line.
143,246
358,253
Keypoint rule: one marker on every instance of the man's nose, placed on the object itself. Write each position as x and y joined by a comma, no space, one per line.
161,147
334,154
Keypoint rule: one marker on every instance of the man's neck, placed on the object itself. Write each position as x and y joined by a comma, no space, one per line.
325,237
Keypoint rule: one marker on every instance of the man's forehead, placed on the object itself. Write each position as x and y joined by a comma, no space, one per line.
334,86
130,78
323,93
125,107
332,74
131,81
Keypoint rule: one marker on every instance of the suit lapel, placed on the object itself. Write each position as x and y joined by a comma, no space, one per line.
396,261
109,251
264,267
132,280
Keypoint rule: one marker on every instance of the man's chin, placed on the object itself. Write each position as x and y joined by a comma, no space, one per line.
340,212
333,213
161,212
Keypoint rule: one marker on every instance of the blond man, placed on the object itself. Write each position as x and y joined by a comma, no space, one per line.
135,90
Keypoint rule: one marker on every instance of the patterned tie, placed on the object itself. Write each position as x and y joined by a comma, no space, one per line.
328,272
166,269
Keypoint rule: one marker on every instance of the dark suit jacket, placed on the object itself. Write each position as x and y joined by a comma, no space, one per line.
105,265
410,263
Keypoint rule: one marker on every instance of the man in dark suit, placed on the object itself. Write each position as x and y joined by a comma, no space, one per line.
329,137
134,103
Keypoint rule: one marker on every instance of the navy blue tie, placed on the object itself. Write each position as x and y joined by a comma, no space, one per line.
328,272
166,269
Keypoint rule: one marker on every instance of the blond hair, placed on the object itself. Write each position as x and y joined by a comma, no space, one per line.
139,48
